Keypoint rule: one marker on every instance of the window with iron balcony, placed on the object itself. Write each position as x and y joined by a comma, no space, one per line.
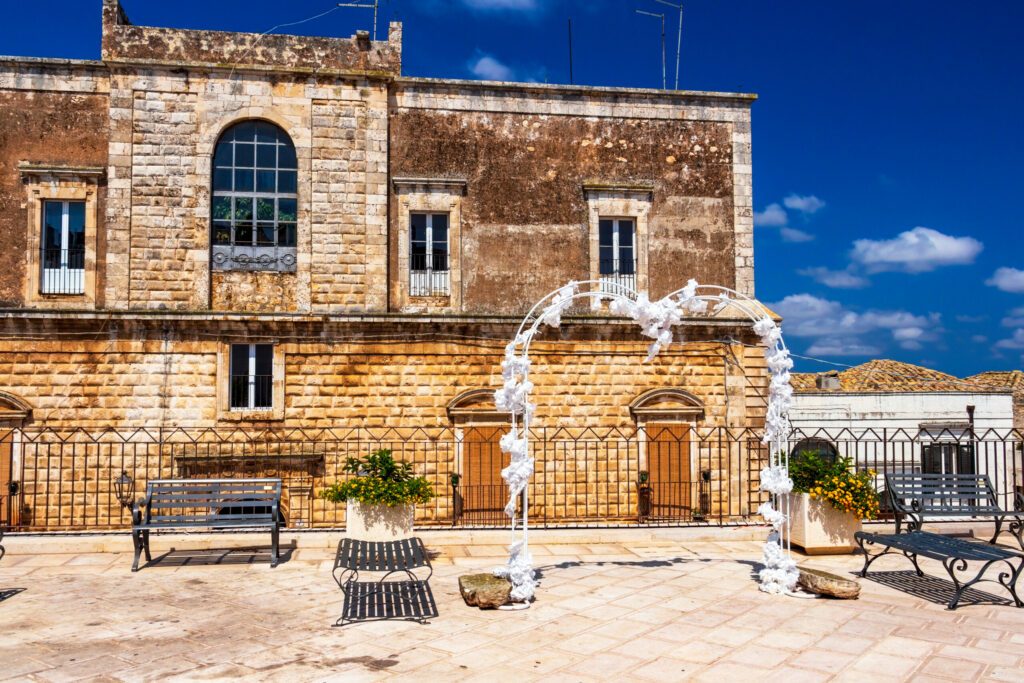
617,255
429,273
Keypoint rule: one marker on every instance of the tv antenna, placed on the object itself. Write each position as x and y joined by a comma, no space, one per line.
664,84
365,6
679,36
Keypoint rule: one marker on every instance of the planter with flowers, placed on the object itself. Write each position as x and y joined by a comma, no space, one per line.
828,503
380,497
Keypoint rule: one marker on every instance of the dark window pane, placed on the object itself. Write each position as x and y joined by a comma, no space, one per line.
286,157
418,225
604,232
221,208
246,130
243,209
239,392
240,360
625,234
222,154
243,233
266,156
222,179
264,359
243,181
76,230
265,181
266,132
221,232
265,233
440,221
626,266
286,234
439,261
286,182
286,210
264,209
244,154
53,213
606,260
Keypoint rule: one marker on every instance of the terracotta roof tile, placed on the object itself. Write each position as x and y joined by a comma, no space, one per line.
895,376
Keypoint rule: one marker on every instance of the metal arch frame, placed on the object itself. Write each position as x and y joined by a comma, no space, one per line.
709,294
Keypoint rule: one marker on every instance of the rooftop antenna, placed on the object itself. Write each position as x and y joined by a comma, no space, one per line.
366,6
679,37
570,50
664,83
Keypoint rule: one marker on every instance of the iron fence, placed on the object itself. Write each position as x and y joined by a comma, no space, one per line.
64,479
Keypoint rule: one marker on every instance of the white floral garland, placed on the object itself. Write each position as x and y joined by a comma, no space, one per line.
656,320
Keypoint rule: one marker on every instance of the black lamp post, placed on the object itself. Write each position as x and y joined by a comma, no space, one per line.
124,490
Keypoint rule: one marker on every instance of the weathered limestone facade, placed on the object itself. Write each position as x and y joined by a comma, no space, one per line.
523,173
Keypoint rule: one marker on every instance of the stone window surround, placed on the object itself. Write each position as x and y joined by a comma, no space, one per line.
647,408
45,182
224,410
619,200
430,195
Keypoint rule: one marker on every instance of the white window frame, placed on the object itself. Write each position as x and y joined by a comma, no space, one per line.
251,373
62,280
617,282
427,281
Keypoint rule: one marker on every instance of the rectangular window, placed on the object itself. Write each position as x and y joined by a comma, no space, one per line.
252,376
428,256
63,248
617,254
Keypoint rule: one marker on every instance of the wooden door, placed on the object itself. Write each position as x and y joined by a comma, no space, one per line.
668,461
483,490
8,501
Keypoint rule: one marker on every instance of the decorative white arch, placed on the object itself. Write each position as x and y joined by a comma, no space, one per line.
656,320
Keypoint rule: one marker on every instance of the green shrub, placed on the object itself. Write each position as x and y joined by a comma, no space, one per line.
379,480
836,483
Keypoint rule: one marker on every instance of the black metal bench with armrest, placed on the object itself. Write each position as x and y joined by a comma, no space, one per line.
410,599
917,496
955,554
207,504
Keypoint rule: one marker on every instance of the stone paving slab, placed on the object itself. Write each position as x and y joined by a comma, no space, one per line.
670,609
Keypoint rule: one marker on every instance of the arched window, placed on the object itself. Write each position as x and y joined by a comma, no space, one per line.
822,448
254,205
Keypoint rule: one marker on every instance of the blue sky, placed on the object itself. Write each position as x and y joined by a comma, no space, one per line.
887,140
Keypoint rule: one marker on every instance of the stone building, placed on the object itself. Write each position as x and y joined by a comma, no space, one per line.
228,252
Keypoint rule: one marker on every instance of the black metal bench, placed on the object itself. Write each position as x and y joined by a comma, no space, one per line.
409,599
953,553
207,504
917,496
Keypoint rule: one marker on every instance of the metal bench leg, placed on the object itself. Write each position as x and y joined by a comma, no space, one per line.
1017,529
868,558
137,542
999,529
145,545
913,558
274,537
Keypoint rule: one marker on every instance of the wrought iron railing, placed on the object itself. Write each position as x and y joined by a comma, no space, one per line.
63,271
583,477
252,392
429,275
617,276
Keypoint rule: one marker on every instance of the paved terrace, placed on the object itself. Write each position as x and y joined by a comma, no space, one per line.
622,605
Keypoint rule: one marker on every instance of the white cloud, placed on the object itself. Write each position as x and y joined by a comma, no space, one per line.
836,279
915,251
501,4
809,204
773,216
1008,280
838,331
490,69
1015,318
971,318
1015,342
793,235
979,338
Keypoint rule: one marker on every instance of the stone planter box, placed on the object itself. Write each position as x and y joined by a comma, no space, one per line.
819,528
378,522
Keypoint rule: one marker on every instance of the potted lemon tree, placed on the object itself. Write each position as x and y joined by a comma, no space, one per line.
380,497
828,503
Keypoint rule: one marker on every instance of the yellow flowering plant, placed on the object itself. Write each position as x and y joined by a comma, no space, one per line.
836,483
380,480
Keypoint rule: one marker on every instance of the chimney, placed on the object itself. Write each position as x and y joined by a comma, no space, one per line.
827,381
363,40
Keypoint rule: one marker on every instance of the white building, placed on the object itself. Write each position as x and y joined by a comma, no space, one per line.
891,416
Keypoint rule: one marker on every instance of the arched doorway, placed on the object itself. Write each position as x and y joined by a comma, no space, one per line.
14,412
480,497
665,420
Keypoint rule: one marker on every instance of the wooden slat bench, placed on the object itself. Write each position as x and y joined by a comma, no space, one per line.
955,554
207,504
918,496
410,599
